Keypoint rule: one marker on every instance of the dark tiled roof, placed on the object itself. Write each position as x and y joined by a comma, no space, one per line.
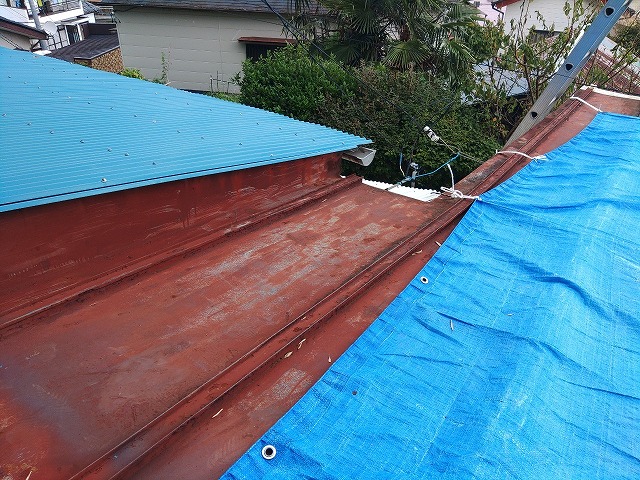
217,5
92,47
90,7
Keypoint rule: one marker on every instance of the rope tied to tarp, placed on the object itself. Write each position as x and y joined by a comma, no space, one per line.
457,193
586,103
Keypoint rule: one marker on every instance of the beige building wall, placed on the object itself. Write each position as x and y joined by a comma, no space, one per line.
201,49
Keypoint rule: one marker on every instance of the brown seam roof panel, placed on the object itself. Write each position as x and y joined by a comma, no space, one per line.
174,372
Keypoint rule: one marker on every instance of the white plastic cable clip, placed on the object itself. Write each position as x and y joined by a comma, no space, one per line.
431,134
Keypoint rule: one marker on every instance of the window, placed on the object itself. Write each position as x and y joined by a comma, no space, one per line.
256,50
257,47
72,33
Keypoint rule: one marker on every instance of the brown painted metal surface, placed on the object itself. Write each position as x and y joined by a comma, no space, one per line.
176,371
52,252
93,372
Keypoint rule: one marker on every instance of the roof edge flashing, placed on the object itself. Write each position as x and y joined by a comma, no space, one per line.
360,155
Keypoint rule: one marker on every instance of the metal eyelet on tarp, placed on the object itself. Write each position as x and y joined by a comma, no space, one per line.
268,452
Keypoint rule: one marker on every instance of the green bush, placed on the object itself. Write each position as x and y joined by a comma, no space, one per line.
629,37
392,108
291,82
132,73
229,97
387,106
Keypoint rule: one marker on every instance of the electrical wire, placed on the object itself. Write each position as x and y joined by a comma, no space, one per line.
411,179
452,159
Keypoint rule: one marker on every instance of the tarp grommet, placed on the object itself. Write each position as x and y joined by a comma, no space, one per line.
424,279
268,452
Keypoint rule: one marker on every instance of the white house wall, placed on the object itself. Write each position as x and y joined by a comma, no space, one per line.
13,40
14,14
487,10
198,46
551,10
57,17
61,17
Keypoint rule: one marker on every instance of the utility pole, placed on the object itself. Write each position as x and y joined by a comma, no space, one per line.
36,18
583,50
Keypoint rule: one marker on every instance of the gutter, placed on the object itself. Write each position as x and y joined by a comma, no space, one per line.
497,9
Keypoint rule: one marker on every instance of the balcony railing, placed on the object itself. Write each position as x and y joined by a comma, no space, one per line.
50,7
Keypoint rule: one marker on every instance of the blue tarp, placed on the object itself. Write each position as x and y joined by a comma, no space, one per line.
520,358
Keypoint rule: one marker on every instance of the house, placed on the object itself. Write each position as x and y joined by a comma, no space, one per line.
608,67
121,179
487,10
606,60
199,44
112,158
99,50
16,35
64,21
549,10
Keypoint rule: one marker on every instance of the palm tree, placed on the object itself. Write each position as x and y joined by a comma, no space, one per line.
429,35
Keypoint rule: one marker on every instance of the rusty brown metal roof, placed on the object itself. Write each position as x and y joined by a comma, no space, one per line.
175,371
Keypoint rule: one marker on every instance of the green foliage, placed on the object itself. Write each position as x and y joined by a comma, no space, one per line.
515,53
163,78
164,70
392,109
628,36
291,82
386,105
427,35
132,73
229,97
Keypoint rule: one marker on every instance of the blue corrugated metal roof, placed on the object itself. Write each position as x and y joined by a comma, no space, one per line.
68,131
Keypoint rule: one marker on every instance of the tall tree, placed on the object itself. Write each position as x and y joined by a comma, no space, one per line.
428,35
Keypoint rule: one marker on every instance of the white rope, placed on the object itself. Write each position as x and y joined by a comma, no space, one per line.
456,193
515,152
586,103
